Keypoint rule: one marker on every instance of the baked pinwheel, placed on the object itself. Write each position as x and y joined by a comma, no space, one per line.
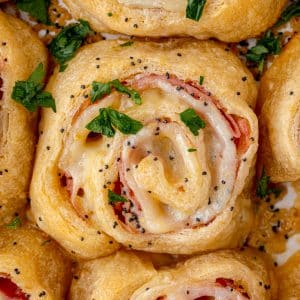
220,275
279,121
20,53
230,21
143,150
31,266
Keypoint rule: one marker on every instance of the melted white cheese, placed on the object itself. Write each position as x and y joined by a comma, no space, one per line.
170,5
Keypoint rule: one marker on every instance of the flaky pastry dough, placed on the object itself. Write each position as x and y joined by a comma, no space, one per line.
279,98
20,53
230,21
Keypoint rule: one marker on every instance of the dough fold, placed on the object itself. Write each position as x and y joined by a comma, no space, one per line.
31,264
225,274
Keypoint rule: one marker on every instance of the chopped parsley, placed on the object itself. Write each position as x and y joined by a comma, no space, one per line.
201,80
192,121
113,197
291,11
15,223
30,93
263,187
109,119
192,150
194,9
101,89
64,46
127,44
38,9
269,44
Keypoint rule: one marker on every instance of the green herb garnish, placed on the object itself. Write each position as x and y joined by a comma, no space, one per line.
30,93
194,9
113,198
201,80
269,44
192,150
101,89
109,119
263,189
15,223
64,46
192,121
292,10
127,44
38,9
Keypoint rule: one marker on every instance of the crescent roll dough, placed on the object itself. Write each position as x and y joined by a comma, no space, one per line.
226,275
183,193
31,264
230,21
20,53
280,116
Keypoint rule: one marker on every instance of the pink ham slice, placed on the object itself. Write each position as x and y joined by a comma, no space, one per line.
10,291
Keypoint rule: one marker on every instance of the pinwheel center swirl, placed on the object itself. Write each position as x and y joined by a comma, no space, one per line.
171,179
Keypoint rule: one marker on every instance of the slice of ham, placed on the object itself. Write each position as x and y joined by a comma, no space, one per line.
10,291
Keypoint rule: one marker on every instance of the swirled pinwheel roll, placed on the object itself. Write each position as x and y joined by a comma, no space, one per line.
31,266
20,53
226,275
148,173
280,116
230,21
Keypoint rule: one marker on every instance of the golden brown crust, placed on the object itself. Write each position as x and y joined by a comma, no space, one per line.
106,278
20,53
229,21
34,263
289,277
279,121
